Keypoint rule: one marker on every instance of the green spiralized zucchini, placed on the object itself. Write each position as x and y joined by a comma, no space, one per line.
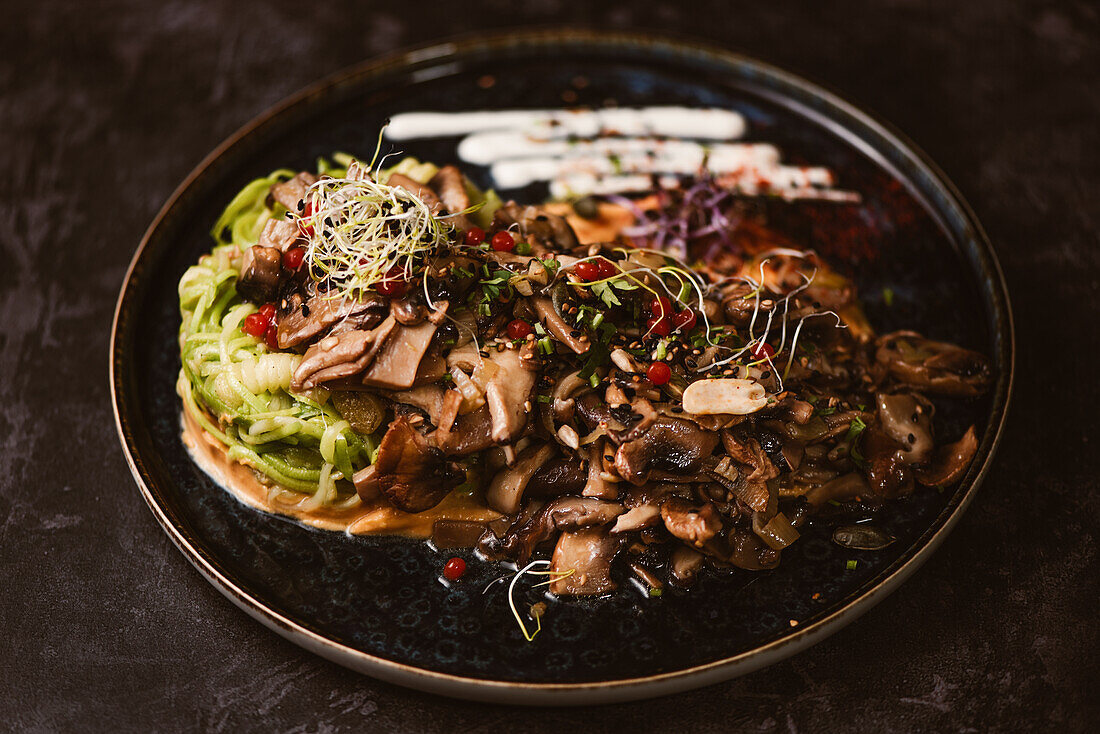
239,390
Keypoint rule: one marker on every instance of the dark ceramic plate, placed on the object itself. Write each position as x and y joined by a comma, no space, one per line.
376,604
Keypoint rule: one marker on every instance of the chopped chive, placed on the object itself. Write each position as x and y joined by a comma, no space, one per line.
888,296
546,346
654,591
597,320
594,380
544,398
851,565
662,349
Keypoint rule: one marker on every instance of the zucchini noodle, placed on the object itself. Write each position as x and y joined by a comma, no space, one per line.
239,391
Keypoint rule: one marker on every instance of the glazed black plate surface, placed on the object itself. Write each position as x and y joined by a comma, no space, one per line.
376,604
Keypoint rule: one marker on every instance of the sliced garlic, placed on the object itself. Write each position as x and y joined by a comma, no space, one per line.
569,437
726,395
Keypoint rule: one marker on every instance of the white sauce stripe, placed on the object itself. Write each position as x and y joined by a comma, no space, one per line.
607,151
486,148
675,122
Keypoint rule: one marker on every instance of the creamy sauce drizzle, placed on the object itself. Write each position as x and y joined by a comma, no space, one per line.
363,519
608,151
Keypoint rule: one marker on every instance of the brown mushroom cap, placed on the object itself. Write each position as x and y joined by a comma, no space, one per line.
565,512
695,525
936,367
671,444
586,555
414,475
949,463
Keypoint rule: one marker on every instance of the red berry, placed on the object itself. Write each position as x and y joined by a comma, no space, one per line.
393,284
684,320
503,242
763,350
271,337
657,326
305,223
659,373
607,268
454,569
660,307
587,271
292,258
475,236
268,312
254,325
518,329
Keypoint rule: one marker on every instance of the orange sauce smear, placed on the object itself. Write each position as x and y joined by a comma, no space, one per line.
375,518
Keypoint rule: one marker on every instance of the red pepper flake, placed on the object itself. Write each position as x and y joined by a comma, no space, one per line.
503,242
271,337
454,569
474,236
518,329
659,373
658,326
587,271
684,320
254,325
292,258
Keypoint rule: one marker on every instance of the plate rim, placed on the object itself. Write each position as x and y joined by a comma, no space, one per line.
622,689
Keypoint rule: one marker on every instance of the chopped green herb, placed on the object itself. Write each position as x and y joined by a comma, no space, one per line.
855,429
662,349
888,296
544,398
834,503
623,284
523,248
597,320
654,591
851,565
546,345
606,293
594,380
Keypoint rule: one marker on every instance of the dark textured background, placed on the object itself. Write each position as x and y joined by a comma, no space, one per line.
106,106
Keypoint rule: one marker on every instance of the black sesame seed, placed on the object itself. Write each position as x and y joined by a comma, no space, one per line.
305,310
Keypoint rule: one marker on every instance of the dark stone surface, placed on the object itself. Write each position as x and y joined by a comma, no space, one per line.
105,108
